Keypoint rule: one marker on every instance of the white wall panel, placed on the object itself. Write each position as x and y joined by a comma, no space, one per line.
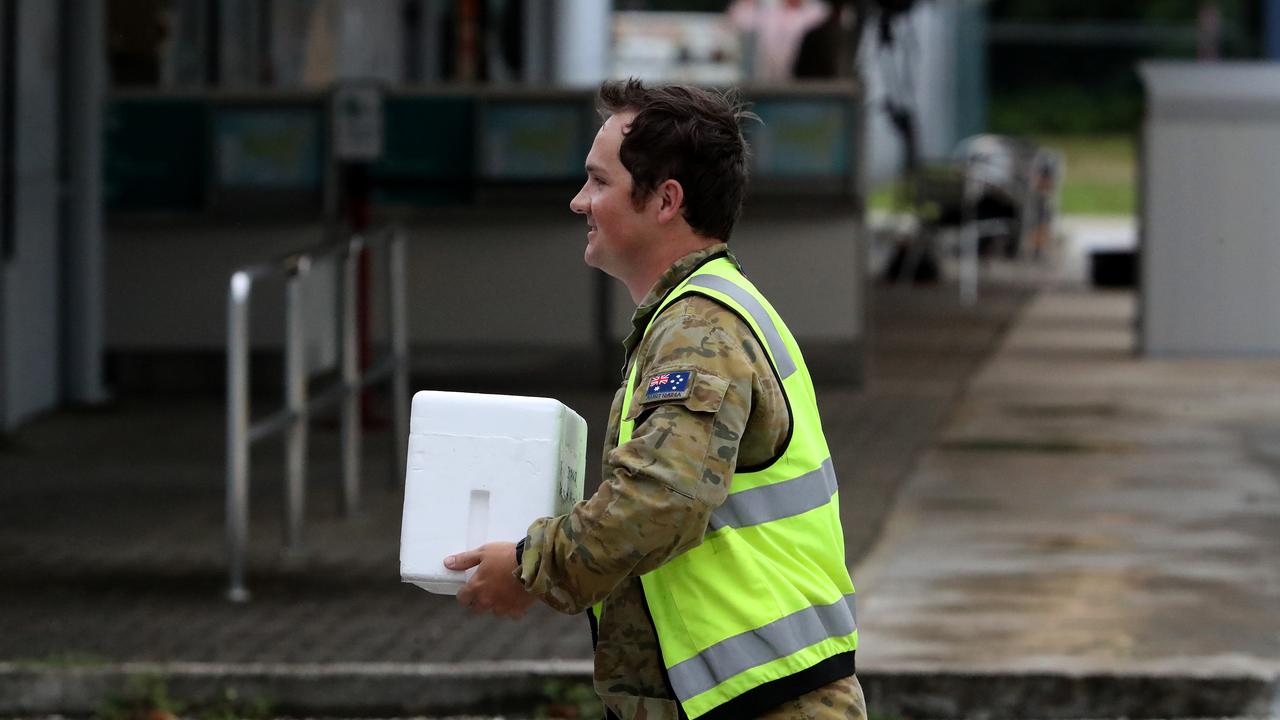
1211,224
482,278
474,278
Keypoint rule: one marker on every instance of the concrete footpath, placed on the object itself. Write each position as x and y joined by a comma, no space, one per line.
1092,534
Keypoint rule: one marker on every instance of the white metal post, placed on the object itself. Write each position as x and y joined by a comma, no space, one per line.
293,419
400,354
238,432
969,237
350,380
295,380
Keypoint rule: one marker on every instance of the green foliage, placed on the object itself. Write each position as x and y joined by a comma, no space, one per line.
148,698
145,698
63,660
1147,10
1050,83
1064,109
232,707
568,700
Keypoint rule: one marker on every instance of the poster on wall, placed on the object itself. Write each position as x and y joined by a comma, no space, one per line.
532,141
801,138
268,148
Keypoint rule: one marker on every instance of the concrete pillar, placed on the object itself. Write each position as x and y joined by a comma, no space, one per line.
582,38
370,41
8,82
32,284
82,262
537,43
240,35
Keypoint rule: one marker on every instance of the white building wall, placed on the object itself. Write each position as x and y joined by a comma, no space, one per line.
477,278
583,35
1211,163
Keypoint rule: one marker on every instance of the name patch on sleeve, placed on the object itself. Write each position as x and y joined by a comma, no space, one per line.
669,385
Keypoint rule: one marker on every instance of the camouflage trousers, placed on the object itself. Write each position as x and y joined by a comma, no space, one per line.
840,700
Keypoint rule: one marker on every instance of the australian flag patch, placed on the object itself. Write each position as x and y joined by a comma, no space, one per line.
669,385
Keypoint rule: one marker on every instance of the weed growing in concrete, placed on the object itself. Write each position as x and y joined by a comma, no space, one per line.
62,661
148,698
568,700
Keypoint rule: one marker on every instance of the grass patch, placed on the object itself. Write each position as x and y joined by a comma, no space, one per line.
882,196
1101,175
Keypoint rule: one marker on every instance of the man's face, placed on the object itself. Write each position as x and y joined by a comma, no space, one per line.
617,233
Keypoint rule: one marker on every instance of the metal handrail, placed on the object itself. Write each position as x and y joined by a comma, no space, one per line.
293,418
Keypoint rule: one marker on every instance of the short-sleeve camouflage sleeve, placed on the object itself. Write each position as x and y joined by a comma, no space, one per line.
660,487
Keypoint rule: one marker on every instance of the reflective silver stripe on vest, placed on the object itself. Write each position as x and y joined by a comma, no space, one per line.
778,639
779,500
782,358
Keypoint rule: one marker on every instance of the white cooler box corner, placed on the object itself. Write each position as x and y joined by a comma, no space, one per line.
481,468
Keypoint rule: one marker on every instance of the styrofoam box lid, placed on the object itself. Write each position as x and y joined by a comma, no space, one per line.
482,414
481,468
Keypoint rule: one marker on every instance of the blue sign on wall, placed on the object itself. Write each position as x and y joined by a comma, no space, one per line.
268,148
532,141
802,138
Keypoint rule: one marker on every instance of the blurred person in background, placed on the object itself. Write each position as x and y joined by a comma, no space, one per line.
829,48
778,27
710,562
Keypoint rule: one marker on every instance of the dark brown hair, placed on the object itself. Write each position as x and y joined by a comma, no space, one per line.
691,136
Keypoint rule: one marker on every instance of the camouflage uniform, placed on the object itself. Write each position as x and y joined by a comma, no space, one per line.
659,490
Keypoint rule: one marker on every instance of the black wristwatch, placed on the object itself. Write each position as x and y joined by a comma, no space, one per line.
520,551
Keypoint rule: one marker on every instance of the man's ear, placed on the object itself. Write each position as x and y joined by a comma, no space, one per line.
670,200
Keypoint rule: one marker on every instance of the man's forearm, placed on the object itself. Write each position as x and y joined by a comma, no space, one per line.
631,525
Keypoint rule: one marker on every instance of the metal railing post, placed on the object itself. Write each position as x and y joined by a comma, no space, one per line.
969,238
238,432
299,406
350,381
400,353
295,383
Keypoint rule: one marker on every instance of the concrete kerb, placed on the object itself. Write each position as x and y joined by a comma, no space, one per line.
996,696
383,689
332,689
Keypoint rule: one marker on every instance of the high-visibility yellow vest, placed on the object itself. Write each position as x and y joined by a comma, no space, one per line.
763,609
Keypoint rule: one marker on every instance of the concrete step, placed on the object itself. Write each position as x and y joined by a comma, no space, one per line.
517,688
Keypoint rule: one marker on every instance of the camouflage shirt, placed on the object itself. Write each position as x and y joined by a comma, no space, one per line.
659,489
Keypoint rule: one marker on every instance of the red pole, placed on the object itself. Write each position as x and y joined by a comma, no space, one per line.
359,212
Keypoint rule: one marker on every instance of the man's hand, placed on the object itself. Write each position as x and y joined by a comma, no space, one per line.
492,588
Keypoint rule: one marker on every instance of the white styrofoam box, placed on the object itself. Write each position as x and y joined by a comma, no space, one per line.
480,469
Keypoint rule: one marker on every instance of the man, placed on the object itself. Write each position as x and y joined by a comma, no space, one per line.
711,559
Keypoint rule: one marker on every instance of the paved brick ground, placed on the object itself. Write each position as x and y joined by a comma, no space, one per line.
111,522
